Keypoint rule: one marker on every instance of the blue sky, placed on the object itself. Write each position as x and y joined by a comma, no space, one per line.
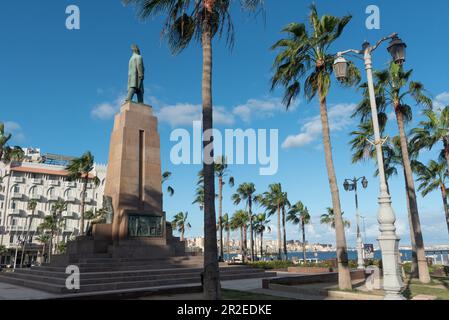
59,89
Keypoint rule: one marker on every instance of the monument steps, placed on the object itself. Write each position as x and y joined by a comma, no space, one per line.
156,272
54,282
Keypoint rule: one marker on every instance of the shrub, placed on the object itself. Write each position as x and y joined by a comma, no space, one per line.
268,265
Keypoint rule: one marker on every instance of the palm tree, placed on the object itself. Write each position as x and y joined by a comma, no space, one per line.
45,239
299,215
3,251
226,225
245,192
58,208
275,200
261,224
7,153
433,130
221,171
32,205
239,221
201,20
180,222
329,219
80,168
432,177
393,87
165,177
199,197
305,54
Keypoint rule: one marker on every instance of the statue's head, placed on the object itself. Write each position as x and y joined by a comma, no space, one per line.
135,49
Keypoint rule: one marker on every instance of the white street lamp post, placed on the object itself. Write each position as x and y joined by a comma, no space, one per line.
351,185
388,239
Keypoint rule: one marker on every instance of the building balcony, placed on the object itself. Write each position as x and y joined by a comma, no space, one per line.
70,184
16,228
53,183
69,215
16,212
52,198
18,179
36,181
88,200
36,197
70,199
17,196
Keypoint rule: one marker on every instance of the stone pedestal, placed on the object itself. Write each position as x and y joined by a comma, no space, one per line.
133,178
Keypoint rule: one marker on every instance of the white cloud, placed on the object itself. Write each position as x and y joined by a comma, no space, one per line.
15,129
258,108
183,114
107,110
441,101
339,119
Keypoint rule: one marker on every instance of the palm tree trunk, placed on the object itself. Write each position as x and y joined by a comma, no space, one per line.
414,266
227,243
344,275
446,149
83,204
251,230
242,244
304,252
220,215
261,245
26,239
279,233
423,269
212,289
446,209
284,233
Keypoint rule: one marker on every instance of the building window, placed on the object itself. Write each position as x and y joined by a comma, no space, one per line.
33,191
16,189
14,205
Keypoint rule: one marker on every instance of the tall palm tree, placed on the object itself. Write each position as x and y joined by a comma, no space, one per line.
165,177
246,192
58,208
433,130
299,215
80,168
32,205
432,177
201,20
393,87
7,153
239,221
226,225
222,171
305,54
261,225
181,223
329,219
44,238
52,225
275,200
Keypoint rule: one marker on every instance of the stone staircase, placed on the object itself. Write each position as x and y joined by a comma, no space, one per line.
106,274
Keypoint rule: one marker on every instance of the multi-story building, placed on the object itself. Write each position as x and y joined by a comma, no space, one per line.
41,178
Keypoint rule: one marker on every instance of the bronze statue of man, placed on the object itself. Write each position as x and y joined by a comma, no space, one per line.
136,75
